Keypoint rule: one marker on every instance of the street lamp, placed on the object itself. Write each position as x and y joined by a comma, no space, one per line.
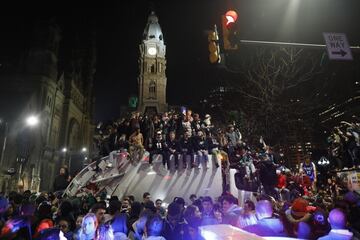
32,121
64,150
83,149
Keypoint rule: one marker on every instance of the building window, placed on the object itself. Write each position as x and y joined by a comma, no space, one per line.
152,68
152,90
159,68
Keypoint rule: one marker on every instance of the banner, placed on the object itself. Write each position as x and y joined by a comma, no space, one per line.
351,179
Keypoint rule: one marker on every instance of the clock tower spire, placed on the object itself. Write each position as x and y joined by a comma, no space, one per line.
152,66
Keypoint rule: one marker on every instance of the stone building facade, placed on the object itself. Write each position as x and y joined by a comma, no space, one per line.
54,82
152,66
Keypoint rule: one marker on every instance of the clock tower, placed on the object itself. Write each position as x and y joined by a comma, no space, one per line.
152,66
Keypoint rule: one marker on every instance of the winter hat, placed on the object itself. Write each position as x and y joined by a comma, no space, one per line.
174,209
299,207
44,209
114,206
150,205
179,200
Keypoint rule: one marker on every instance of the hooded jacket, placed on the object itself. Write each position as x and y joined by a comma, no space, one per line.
232,214
291,222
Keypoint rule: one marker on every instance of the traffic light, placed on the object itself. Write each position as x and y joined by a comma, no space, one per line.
229,30
214,49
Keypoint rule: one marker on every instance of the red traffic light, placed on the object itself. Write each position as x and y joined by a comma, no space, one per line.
231,17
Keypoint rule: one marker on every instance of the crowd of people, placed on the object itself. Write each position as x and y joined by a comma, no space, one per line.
286,203
169,134
49,216
344,145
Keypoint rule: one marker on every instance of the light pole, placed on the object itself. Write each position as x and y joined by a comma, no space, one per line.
84,157
28,122
4,141
65,151
31,121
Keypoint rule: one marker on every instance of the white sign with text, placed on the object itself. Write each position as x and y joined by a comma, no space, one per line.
337,46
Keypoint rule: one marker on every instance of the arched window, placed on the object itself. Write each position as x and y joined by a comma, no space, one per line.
152,90
74,134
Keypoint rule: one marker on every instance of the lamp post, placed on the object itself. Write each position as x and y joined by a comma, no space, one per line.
31,121
4,141
65,151
84,158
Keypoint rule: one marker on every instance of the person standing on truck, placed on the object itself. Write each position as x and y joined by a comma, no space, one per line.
309,169
136,145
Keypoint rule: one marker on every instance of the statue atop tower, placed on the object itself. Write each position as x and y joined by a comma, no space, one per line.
152,66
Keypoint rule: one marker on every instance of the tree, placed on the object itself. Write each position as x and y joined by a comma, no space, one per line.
273,90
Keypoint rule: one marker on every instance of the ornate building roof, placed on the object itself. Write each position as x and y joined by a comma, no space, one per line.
153,30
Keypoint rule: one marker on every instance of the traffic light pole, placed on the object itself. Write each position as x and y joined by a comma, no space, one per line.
287,44
281,44
231,38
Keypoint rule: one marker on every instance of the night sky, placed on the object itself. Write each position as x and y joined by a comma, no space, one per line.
120,24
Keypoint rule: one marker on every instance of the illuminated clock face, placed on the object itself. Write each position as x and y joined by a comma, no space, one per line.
152,51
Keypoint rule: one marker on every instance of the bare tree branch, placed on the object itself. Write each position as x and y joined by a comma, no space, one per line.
268,77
